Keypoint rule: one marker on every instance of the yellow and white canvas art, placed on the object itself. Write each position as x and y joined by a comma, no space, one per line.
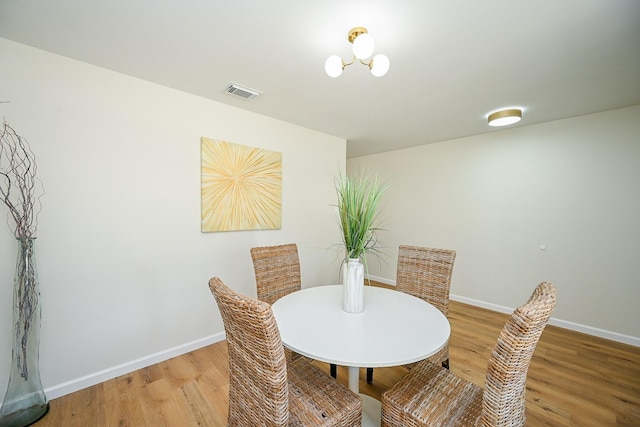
241,187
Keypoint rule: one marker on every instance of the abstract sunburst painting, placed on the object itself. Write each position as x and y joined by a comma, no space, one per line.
241,187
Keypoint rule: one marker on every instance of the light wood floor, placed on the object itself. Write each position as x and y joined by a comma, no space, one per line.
574,380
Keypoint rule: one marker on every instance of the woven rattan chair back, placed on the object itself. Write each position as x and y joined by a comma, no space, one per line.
257,369
503,402
265,390
277,270
426,273
432,396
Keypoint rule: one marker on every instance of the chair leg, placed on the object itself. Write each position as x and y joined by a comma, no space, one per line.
445,364
334,370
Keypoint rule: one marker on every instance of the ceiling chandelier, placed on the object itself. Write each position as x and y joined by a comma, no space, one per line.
363,45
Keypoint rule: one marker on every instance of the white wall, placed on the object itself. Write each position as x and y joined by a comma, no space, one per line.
571,185
122,263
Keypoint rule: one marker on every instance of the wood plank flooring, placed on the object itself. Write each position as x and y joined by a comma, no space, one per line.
574,380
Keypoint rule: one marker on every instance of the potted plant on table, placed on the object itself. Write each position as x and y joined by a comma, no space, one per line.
359,196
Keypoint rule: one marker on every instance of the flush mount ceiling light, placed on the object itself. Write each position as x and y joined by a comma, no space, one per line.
505,117
363,46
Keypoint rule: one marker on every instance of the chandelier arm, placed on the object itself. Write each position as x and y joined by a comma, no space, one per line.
345,64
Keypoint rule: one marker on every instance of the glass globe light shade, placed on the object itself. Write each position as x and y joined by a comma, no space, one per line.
380,65
333,66
363,46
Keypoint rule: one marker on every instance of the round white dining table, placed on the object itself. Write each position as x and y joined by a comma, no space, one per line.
394,329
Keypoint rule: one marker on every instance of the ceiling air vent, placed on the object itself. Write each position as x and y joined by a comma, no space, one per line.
242,91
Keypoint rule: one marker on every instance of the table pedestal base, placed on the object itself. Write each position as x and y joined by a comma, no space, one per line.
371,411
354,378
371,408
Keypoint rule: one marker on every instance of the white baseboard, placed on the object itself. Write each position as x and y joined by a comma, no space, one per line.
127,367
381,280
590,330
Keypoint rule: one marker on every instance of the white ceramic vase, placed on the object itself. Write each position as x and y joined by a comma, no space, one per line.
353,286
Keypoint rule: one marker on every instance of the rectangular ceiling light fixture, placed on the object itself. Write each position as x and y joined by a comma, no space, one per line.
242,91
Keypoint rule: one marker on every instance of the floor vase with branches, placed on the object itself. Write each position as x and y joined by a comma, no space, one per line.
24,401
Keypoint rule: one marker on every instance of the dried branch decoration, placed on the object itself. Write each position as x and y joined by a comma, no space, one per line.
18,186
18,182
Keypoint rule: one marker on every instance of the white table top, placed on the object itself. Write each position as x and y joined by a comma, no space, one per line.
394,329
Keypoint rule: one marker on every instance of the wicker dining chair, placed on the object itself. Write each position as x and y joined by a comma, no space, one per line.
425,273
277,271
430,395
265,390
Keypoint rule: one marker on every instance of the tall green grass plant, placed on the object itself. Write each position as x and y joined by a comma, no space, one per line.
359,196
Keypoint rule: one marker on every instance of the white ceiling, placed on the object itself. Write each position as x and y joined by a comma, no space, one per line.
452,61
